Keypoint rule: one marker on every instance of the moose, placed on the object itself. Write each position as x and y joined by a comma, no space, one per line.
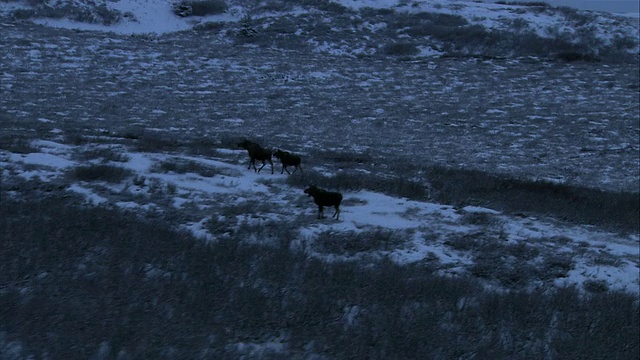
256,152
324,198
288,159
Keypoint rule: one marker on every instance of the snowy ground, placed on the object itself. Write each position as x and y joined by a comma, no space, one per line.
566,123
422,231
155,16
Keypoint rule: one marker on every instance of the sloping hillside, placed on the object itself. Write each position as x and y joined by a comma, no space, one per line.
410,29
487,155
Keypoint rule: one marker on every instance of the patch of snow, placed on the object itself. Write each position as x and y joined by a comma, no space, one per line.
428,226
199,230
478,209
428,51
91,197
42,159
149,16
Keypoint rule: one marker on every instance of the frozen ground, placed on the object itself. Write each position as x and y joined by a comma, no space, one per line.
230,200
574,123
144,116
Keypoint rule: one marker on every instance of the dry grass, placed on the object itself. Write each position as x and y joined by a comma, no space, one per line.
172,291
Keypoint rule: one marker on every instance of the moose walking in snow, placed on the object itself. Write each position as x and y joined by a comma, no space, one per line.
256,152
288,159
324,198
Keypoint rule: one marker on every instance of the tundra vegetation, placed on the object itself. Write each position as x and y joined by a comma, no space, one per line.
128,228
84,273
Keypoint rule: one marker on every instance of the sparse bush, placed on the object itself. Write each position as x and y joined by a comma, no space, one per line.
202,146
180,166
106,16
57,259
622,49
556,241
492,262
154,142
524,3
529,43
474,38
373,12
522,251
290,43
208,7
275,6
106,154
249,207
459,38
274,33
74,138
513,266
187,8
23,14
519,24
512,276
247,30
422,29
448,20
245,219
478,218
595,286
575,55
464,40
577,17
283,26
213,26
171,188
32,186
99,14
352,242
326,5
139,180
101,172
130,136
427,24
17,145
156,186
602,258
349,180
574,203
347,158
624,43
400,49
557,266
219,225
467,242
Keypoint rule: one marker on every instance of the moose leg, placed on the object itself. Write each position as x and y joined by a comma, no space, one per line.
320,211
337,213
263,165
